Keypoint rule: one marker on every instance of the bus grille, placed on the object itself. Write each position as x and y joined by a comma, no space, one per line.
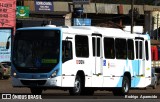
33,82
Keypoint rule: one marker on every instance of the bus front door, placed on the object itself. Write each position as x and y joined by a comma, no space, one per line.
98,60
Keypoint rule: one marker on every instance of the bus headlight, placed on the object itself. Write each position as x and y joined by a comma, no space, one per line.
14,74
54,74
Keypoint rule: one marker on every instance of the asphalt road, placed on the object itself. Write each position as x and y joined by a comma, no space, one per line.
6,88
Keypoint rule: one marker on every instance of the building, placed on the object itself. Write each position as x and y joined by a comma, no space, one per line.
100,12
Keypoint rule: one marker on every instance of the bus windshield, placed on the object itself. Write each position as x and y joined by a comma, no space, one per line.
36,50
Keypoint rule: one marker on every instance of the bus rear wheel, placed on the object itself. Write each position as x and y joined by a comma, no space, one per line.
124,90
125,85
76,90
36,91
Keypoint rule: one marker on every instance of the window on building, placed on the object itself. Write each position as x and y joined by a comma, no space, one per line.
20,3
82,47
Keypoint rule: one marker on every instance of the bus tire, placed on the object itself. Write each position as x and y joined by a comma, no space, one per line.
77,89
125,86
36,91
124,90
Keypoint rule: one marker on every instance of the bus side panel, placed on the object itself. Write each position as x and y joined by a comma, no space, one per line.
113,82
71,67
117,67
68,81
138,81
88,81
115,73
148,66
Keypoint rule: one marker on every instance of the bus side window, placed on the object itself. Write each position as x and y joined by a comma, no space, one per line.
121,48
66,50
130,49
82,46
109,50
146,49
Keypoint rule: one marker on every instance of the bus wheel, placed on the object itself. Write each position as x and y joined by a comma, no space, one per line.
36,91
125,86
124,90
76,90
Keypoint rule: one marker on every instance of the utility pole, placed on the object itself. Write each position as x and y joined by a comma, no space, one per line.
132,19
157,25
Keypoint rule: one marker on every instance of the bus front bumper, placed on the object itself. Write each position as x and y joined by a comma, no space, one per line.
49,82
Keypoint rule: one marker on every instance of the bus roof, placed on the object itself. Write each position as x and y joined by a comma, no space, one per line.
86,30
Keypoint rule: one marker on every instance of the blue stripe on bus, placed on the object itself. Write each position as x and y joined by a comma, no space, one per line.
119,84
135,80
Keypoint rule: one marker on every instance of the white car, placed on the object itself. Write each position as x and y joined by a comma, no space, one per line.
5,70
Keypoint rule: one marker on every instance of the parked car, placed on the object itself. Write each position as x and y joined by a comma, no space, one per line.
153,80
5,70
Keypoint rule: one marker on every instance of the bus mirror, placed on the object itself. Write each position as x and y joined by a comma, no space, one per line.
7,45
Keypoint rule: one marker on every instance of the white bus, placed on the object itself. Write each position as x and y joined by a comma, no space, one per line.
80,59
